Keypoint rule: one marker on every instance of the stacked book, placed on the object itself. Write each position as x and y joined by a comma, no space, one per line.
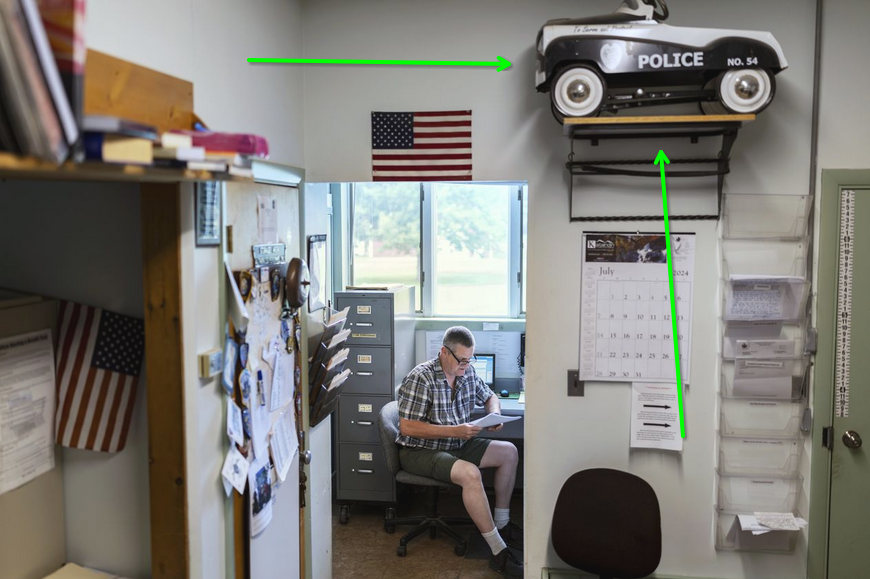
115,140
39,106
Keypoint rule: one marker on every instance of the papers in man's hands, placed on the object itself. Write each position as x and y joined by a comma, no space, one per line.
493,419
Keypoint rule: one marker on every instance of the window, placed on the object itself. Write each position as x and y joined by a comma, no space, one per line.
385,233
460,244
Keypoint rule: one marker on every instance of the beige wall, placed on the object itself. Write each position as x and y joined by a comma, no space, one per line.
516,138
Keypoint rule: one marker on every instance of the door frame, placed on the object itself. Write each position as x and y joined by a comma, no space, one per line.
833,181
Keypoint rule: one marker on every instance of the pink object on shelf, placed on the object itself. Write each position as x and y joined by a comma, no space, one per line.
242,143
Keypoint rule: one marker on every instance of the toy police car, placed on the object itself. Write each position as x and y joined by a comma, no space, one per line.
629,59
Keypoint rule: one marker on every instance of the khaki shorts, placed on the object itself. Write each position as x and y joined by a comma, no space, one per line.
438,463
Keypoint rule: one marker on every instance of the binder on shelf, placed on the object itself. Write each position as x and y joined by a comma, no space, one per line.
777,378
754,493
765,216
750,298
758,457
760,418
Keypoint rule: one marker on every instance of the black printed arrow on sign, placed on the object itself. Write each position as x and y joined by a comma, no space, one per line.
655,406
654,424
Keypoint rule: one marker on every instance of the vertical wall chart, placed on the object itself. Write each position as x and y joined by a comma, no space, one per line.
626,327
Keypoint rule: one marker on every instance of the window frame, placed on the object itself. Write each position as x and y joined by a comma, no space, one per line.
427,248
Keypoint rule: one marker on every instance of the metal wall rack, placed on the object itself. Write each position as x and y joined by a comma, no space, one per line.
693,127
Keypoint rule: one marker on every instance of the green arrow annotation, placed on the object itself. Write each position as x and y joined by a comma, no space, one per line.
500,63
662,160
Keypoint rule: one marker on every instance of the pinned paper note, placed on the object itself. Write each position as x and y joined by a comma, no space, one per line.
235,469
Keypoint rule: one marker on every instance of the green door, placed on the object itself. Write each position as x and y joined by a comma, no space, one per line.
848,554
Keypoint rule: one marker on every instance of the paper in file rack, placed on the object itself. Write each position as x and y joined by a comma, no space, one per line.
763,339
768,378
758,457
760,418
751,298
756,493
731,536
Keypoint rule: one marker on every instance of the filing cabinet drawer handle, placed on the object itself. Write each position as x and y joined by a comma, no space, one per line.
361,423
365,471
365,373
364,324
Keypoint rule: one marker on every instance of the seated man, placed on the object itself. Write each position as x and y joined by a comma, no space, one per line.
436,400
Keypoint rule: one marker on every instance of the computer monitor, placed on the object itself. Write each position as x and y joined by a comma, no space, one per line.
485,367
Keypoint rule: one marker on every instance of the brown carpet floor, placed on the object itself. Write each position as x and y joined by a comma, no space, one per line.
363,550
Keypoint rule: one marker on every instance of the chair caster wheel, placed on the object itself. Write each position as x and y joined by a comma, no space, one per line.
344,514
459,550
402,551
389,516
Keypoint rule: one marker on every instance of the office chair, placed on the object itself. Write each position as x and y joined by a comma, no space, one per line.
607,522
388,423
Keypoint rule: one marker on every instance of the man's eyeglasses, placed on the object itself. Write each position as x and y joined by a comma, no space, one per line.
464,361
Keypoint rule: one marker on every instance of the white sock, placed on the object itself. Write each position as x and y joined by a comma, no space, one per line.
494,540
502,517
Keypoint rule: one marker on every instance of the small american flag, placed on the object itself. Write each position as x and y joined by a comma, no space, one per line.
98,364
429,146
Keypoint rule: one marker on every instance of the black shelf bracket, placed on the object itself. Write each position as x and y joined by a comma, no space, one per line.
691,127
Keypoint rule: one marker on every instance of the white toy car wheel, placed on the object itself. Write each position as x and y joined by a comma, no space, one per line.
578,92
745,90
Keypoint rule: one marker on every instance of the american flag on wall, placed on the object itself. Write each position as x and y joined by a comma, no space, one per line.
427,146
98,364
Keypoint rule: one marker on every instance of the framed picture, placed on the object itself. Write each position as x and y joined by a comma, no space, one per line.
317,270
208,213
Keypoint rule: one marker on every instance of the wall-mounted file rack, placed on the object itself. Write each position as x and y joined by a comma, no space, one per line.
730,537
763,367
765,216
768,339
776,378
327,369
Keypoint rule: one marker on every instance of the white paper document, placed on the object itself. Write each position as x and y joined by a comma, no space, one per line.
27,403
763,378
284,442
234,423
493,419
761,523
763,298
235,469
267,219
655,416
282,381
626,330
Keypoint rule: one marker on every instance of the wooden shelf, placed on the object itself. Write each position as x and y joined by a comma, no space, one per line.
15,167
662,125
658,119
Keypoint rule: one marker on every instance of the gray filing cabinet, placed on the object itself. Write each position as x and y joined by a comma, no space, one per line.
381,346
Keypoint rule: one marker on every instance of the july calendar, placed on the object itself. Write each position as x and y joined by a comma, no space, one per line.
626,332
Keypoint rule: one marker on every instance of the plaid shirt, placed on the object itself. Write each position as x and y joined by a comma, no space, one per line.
425,396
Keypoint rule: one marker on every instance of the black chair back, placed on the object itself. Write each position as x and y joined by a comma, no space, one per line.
388,425
608,522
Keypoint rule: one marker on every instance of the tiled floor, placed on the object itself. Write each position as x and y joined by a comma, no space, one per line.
363,550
